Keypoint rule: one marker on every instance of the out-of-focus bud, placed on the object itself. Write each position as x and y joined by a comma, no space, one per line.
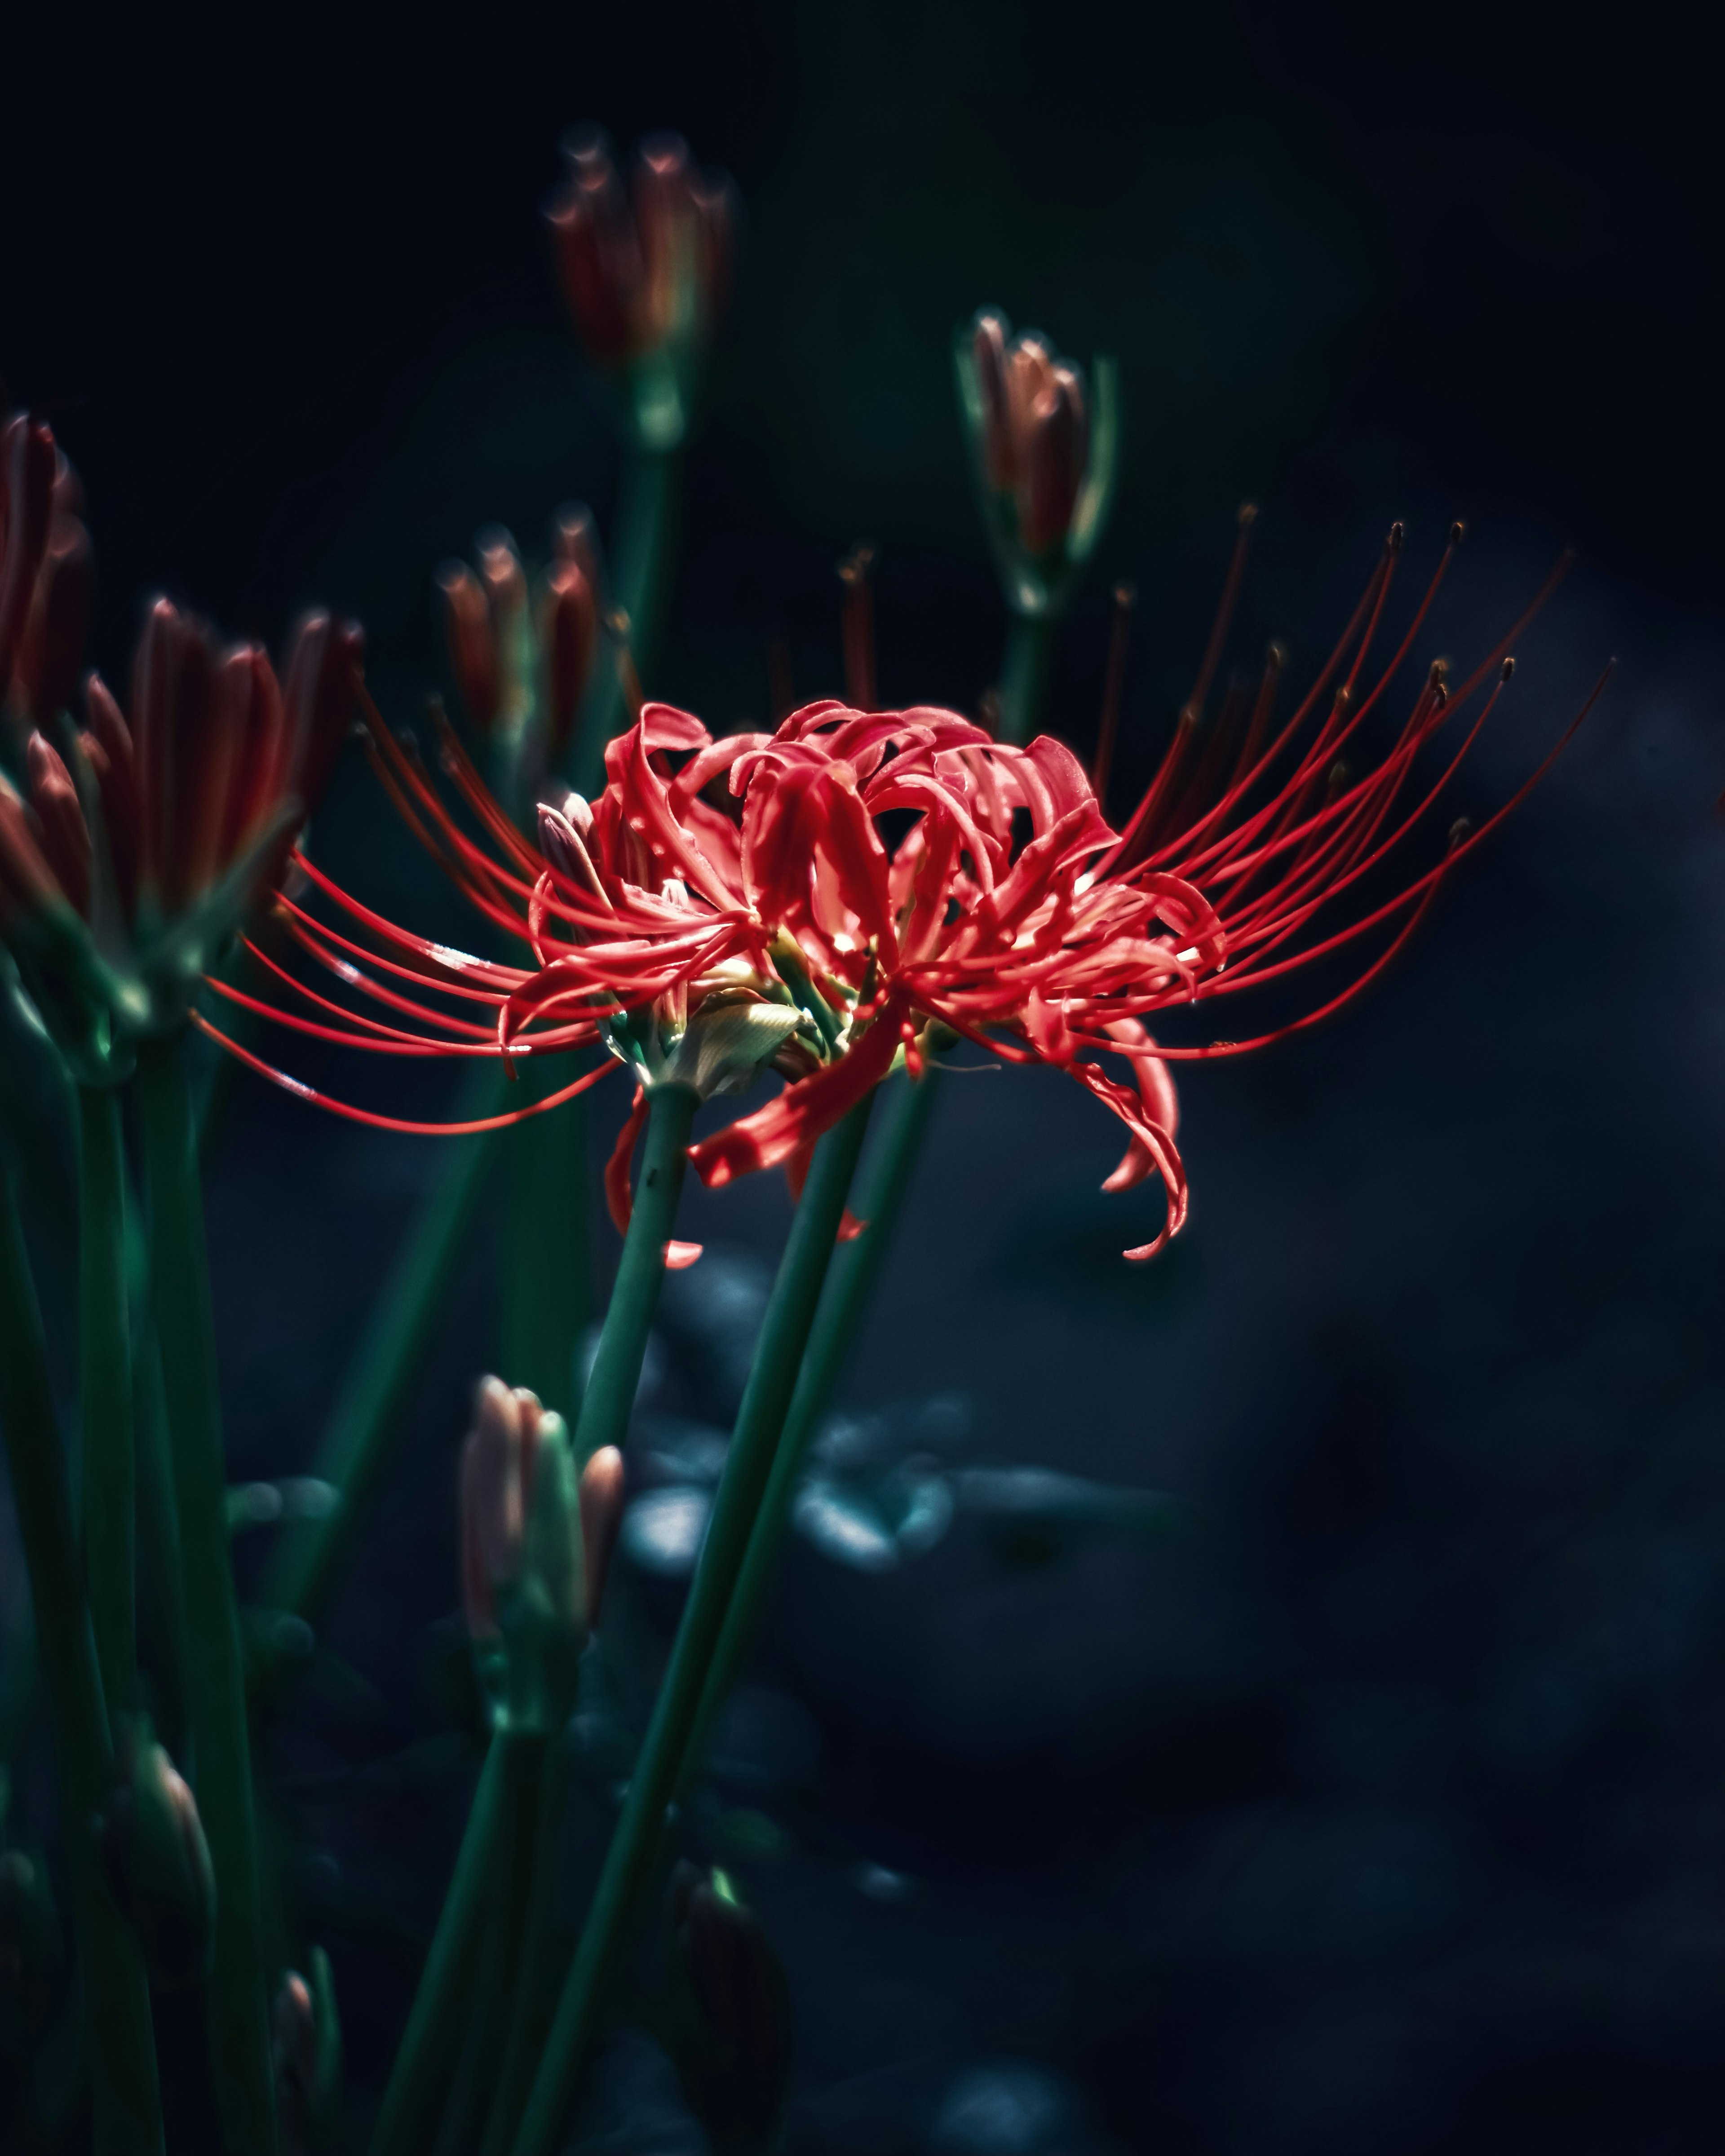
65,835
305,2044
646,278
472,648
569,635
734,2009
30,1951
325,662
157,1860
1043,448
602,1501
522,1564
51,649
29,890
27,458
107,745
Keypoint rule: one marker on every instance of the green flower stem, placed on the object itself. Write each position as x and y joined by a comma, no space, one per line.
104,1392
536,1992
502,1975
611,1387
126,2099
644,541
430,2053
235,1998
166,1649
545,1287
589,1989
851,1281
1023,677
357,1443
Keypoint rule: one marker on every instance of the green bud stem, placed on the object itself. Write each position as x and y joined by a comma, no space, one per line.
643,545
503,1967
358,1441
236,2009
430,2053
535,1989
104,1392
125,2096
851,1281
1024,676
588,1992
610,1394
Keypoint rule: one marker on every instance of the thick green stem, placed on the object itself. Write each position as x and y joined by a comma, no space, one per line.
535,1993
127,2104
357,1444
430,2052
644,541
502,1975
1023,677
544,1268
104,1393
610,1394
165,1650
588,1991
235,1997
851,1281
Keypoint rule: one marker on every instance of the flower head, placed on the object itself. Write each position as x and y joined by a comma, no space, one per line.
1043,441
517,661
646,272
836,896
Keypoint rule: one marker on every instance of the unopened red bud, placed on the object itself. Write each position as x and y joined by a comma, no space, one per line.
503,578
107,743
325,662
714,201
1052,448
569,631
602,1500
28,450
28,885
293,2041
575,537
51,650
988,351
253,707
473,645
597,257
496,1489
65,835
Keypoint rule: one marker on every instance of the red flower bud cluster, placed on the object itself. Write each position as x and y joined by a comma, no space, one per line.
484,619
646,269
214,756
1035,431
46,571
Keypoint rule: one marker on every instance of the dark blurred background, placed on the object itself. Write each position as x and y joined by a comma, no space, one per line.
1379,1809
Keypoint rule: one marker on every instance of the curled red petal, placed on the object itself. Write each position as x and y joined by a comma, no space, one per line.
617,1200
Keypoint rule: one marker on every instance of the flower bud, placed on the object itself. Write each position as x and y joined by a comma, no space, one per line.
602,1501
183,764
31,1953
306,2047
497,1465
326,664
569,628
65,835
158,1862
107,745
27,458
28,887
51,649
734,2069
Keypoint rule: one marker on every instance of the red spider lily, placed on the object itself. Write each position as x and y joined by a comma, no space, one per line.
668,926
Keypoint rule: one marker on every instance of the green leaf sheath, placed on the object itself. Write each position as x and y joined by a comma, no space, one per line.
545,1265
616,1373
427,2063
235,1998
509,1902
851,1281
588,1990
643,544
358,1441
104,1392
1024,676
126,2102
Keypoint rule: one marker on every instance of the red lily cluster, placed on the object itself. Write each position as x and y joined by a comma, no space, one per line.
1010,911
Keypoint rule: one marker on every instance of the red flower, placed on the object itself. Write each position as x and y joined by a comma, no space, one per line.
45,572
798,915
